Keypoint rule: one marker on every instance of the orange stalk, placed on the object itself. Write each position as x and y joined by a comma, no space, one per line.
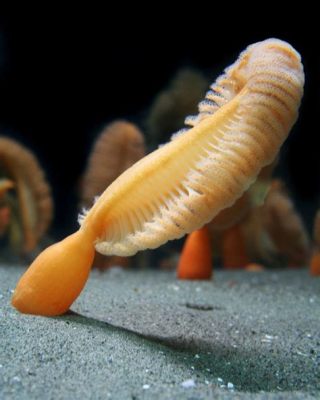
315,264
5,214
234,251
196,258
254,267
315,259
56,277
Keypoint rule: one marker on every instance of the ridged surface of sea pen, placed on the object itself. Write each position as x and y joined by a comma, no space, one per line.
33,192
117,148
178,188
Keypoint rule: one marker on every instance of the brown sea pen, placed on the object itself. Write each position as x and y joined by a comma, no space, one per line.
285,227
170,107
315,259
33,192
117,148
5,212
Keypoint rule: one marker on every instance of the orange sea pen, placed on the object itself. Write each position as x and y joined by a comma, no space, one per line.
231,215
194,266
315,264
233,243
195,261
234,252
185,183
254,267
34,199
226,227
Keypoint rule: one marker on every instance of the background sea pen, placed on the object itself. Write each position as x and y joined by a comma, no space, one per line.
315,259
171,105
34,201
116,149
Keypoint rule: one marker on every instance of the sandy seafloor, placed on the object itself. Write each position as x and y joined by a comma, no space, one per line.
145,335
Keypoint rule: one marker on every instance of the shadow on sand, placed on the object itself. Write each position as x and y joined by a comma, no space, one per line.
260,370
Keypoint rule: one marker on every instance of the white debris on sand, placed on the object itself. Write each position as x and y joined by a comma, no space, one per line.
268,338
174,287
145,387
189,383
